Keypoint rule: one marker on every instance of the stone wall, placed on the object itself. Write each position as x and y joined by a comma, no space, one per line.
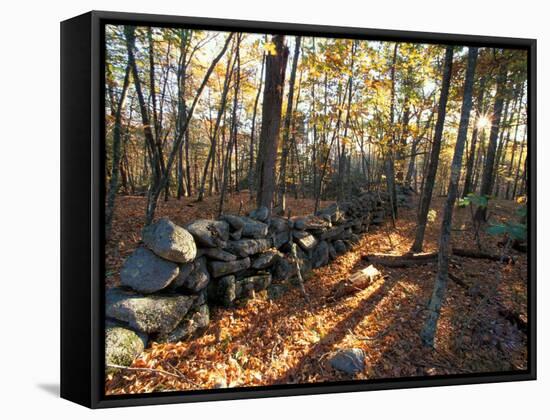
169,282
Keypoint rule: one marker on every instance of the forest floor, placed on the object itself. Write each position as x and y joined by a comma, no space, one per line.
289,340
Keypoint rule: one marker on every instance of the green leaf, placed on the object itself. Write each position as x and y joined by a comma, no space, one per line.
517,231
499,229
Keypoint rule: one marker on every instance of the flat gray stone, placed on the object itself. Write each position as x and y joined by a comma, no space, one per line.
350,361
218,254
170,241
148,314
265,260
223,268
253,228
316,223
306,240
333,233
246,247
236,222
145,272
209,233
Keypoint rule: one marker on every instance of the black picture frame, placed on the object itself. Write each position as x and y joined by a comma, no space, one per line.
82,208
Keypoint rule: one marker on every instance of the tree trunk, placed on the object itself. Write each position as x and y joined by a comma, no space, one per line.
234,126
434,306
253,131
390,160
434,156
210,159
488,170
271,121
468,180
156,188
514,145
115,170
286,127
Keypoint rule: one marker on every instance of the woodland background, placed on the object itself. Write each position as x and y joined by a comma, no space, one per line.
194,114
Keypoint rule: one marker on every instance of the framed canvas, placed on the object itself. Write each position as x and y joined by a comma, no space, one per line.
257,209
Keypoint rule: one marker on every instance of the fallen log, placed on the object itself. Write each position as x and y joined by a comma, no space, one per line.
356,282
408,260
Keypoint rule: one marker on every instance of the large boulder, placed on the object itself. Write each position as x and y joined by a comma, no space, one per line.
170,241
320,255
209,233
194,280
148,314
223,268
246,247
350,361
261,214
145,272
195,320
122,346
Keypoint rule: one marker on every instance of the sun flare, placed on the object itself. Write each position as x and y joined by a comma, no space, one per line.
484,121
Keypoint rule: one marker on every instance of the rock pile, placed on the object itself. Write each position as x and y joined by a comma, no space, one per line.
169,281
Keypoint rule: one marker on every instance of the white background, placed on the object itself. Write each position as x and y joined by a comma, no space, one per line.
29,180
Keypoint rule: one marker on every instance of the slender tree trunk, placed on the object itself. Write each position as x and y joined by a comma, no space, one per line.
156,188
271,121
234,126
390,159
516,178
434,157
488,170
253,131
214,139
468,180
514,145
287,125
414,149
501,154
117,129
434,306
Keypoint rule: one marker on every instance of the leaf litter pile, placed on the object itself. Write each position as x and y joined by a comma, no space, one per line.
288,340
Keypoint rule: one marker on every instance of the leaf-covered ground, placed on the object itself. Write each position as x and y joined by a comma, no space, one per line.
289,340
